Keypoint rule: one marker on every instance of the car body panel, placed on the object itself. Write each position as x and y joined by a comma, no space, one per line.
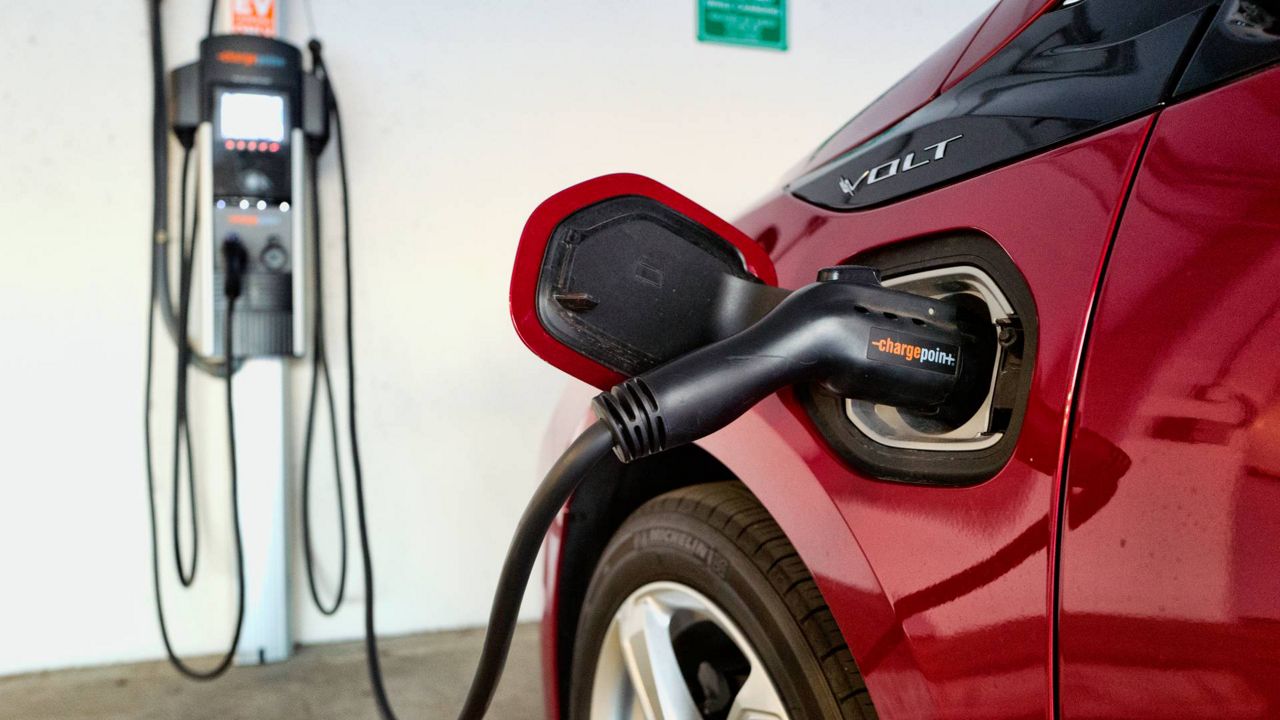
1171,591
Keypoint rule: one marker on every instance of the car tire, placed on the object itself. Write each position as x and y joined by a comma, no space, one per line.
719,543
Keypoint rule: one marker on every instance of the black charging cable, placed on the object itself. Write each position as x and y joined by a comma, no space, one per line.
213,16
159,300
161,247
181,424
593,446
319,372
234,259
371,640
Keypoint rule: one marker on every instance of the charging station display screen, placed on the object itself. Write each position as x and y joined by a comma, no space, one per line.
251,116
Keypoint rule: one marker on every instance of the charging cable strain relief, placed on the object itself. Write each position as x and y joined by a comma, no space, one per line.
631,414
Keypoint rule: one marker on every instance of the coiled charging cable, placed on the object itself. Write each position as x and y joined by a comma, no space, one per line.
160,301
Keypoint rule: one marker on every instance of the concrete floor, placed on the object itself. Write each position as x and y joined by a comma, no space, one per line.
427,676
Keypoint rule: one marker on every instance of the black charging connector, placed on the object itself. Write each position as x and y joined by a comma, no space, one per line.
318,101
235,260
846,332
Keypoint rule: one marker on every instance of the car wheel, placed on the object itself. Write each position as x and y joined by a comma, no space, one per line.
701,608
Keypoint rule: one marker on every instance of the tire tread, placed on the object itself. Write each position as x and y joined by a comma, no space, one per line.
731,509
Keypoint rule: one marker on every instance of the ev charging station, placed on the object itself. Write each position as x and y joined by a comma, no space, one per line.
250,102
254,120
250,163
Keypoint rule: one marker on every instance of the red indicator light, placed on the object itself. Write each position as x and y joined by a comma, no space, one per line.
239,144
231,144
253,144
275,147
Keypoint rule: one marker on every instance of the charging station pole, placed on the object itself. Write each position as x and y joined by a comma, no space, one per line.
260,398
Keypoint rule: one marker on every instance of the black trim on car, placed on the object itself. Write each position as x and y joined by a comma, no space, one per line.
1075,70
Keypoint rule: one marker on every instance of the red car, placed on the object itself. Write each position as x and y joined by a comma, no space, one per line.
1100,538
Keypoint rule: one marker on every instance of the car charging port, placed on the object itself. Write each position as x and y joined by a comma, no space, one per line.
979,418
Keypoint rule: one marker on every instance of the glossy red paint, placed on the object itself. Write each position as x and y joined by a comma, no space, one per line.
942,594
1170,591
547,216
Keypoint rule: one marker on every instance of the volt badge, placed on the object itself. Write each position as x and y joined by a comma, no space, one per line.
912,351
933,153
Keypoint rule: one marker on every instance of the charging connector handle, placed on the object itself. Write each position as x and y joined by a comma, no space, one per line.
235,261
846,331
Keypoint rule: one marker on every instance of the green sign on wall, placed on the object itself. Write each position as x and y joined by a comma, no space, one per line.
758,23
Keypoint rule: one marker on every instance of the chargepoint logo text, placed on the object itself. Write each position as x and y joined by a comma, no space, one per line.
906,163
912,351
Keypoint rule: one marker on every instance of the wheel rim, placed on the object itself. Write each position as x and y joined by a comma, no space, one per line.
670,653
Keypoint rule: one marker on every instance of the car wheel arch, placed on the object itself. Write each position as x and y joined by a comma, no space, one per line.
801,506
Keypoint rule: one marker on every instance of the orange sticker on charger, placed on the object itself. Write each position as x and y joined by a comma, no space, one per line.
255,17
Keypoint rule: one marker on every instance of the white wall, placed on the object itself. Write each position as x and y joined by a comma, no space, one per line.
461,117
